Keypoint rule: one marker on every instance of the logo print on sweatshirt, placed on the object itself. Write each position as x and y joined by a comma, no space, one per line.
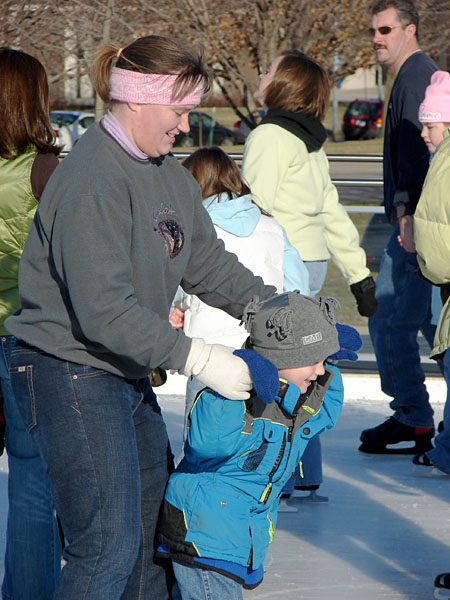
173,237
170,230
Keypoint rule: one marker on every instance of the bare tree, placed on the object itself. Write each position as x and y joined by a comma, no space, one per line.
240,37
65,34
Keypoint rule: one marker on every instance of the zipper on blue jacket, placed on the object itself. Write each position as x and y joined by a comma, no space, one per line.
268,489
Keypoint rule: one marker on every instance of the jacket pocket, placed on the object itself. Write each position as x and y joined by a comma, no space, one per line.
265,457
220,521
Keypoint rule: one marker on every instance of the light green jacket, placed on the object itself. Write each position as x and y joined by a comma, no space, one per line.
17,208
294,186
432,233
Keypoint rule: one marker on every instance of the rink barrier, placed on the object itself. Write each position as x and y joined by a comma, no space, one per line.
351,158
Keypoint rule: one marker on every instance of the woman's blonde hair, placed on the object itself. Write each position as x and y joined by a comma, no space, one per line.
299,84
153,55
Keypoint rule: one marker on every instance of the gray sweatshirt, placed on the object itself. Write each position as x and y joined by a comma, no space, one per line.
112,239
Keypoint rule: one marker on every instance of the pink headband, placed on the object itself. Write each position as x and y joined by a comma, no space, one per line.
143,88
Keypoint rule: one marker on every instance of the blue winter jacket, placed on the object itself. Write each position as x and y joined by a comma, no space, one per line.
220,507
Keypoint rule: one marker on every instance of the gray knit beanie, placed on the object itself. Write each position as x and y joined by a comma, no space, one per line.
292,330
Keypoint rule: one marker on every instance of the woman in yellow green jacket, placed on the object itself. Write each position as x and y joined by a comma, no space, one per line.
28,155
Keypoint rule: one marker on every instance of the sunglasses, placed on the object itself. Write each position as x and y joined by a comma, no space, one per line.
384,30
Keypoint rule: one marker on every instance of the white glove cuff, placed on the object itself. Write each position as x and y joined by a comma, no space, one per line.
197,358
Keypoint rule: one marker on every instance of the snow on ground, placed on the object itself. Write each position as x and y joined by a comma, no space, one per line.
383,535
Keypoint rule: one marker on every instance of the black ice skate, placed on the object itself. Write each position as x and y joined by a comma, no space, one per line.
377,439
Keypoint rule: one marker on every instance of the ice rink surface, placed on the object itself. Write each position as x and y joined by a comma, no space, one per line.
383,535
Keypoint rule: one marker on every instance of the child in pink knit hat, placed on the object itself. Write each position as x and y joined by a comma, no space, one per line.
434,112
432,237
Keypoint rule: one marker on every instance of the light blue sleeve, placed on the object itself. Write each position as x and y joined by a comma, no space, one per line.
296,276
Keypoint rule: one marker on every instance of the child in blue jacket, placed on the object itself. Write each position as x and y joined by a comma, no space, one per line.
220,507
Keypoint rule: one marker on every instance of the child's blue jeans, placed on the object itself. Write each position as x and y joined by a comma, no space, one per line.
440,455
200,584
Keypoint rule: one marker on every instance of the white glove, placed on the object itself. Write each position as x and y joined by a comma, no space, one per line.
218,368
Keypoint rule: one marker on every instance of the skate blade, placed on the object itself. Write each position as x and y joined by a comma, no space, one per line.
442,594
387,450
433,472
283,507
311,497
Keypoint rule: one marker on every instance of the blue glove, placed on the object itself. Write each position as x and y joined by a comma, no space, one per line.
349,342
264,374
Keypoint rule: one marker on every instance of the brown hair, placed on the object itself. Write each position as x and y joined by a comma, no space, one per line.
24,105
407,12
153,54
299,84
215,172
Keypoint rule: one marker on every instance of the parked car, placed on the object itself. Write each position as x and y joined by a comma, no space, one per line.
242,125
204,130
69,126
363,119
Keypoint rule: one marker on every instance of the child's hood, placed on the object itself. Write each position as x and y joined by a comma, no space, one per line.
238,216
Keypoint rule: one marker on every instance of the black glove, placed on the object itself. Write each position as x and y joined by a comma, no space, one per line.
364,292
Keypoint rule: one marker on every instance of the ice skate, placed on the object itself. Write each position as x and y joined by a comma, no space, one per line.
442,586
378,439
422,465
284,507
307,493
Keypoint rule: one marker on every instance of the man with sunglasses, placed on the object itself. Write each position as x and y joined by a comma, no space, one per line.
404,299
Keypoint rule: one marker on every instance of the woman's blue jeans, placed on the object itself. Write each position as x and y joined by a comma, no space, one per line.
201,584
33,547
105,446
404,309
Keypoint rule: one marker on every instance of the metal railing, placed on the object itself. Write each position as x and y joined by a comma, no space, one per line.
339,158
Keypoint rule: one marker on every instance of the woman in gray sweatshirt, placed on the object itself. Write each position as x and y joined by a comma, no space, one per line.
119,227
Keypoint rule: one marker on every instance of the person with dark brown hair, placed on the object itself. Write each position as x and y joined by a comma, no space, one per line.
287,170
119,227
28,156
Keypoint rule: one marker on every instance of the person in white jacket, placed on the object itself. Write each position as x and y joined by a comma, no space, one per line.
287,170
258,240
